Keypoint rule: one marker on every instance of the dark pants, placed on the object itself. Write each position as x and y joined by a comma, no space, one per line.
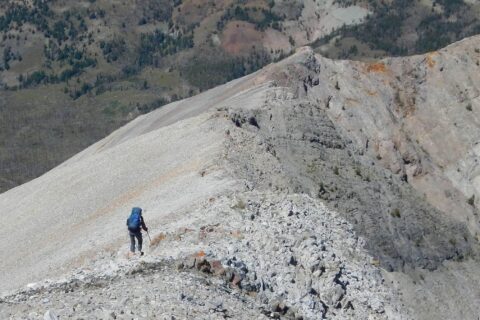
133,235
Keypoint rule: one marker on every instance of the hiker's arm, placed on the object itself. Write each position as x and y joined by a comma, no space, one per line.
144,227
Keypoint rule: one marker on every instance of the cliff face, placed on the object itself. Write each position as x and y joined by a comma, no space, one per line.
391,144
335,189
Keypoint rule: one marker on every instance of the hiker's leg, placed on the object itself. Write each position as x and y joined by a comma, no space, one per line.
140,240
132,242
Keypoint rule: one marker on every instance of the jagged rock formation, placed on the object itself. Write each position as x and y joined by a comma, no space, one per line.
235,181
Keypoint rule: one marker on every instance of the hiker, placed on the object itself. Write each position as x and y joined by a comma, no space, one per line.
135,225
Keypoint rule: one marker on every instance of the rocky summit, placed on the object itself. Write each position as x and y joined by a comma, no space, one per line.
311,189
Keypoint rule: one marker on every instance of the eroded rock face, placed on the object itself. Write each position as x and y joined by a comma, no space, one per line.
313,154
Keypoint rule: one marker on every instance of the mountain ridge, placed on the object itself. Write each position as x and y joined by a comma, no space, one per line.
314,131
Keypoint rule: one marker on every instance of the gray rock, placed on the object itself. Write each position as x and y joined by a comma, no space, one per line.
50,315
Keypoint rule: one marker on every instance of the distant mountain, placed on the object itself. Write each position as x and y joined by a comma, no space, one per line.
73,71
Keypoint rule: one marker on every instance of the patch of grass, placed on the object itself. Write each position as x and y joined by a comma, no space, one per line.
155,104
240,204
321,190
395,213
311,168
115,107
262,18
358,172
471,200
161,79
214,67
418,242
159,44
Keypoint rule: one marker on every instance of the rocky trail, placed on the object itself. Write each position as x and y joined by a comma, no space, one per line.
152,290
308,262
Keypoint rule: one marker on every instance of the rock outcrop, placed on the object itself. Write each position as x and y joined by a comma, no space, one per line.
308,263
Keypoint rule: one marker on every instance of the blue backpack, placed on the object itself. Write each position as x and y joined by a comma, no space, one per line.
134,221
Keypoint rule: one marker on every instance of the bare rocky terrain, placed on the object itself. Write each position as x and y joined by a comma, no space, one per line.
311,189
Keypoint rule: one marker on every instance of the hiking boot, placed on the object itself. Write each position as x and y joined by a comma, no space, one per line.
141,253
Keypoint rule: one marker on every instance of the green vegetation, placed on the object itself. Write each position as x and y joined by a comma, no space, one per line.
157,103
113,49
72,60
114,108
395,213
435,32
19,13
358,172
226,68
387,30
158,44
336,171
451,6
35,78
7,57
471,200
261,18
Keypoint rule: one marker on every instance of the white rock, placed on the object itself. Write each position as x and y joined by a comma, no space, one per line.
50,315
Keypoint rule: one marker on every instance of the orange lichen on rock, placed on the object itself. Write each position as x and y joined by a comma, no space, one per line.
429,59
378,67
200,254
157,239
351,102
236,234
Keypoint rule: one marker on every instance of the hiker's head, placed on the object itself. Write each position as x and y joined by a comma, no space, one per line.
137,210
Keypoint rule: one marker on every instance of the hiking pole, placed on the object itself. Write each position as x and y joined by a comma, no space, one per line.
148,234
